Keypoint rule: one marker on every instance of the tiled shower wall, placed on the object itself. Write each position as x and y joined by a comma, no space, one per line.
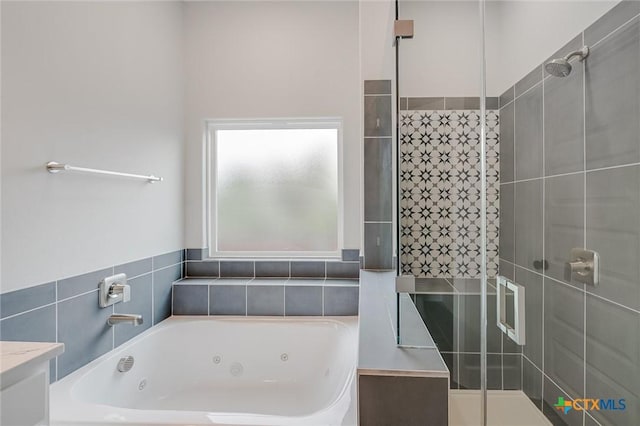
570,177
378,180
440,187
67,310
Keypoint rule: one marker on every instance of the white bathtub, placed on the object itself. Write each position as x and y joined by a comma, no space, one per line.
219,371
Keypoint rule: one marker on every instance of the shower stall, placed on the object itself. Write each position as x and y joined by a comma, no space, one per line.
518,204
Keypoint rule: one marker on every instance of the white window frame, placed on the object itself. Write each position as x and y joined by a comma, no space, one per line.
211,126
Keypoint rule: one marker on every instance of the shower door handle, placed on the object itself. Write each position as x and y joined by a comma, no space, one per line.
515,331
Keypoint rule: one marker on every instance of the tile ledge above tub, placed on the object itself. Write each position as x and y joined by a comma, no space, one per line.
266,297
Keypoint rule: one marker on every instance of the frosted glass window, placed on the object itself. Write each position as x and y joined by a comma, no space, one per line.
276,191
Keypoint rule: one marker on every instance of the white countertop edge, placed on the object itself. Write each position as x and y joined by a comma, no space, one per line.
17,358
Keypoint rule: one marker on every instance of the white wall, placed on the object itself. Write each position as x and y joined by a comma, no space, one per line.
531,31
271,59
443,59
99,85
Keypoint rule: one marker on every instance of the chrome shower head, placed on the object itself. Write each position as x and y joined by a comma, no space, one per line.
558,67
561,67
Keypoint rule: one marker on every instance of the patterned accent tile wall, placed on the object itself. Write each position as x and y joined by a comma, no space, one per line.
440,192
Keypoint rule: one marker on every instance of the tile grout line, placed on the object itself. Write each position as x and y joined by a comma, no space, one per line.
612,32
29,310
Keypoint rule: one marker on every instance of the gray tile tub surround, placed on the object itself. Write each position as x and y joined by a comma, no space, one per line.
345,268
67,310
266,297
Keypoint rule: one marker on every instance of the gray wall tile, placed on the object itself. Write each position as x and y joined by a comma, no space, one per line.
613,231
228,300
425,103
507,270
507,96
533,307
265,300
196,254
82,327
377,116
168,259
205,268
451,361
162,284
437,313
528,134
613,359
229,268
377,87
403,104
378,249
468,326
492,102
134,269
564,221
303,300
564,335
350,255
527,82
528,222
343,270
406,401
551,392
279,269
612,101
311,269
140,304
377,179
469,371
38,325
532,382
512,372
509,346
589,421
507,239
564,123
611,20
461,103
341,301
494,372
28,298
506,143
82,283
190,299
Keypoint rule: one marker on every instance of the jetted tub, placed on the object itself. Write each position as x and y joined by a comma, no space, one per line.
219,371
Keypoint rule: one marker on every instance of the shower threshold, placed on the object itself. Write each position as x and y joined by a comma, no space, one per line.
505,408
